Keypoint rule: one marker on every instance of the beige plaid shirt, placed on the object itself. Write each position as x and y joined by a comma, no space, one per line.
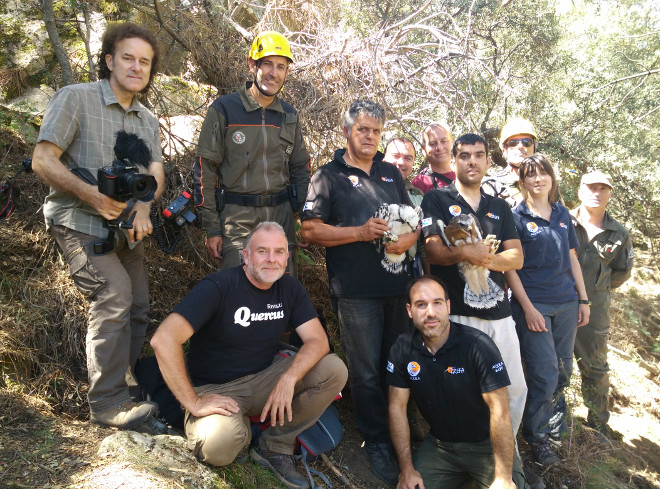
83,121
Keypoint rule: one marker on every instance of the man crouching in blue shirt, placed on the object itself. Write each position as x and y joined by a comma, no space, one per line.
458,379
234,320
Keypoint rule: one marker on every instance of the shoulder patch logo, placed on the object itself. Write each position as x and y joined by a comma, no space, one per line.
498,367
238,137
413,369
454,210
308,205
354,180
427,221
390,367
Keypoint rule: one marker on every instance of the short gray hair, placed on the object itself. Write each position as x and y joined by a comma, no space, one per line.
364,107
266,226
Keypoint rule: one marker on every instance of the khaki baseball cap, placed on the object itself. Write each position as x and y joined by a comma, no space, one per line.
596,177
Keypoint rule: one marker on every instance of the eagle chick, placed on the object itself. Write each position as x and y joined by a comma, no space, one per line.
480,290
401,219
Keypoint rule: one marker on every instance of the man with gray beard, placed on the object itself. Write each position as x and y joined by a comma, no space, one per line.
234,320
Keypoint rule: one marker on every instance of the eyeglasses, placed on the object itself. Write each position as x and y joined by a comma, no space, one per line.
526,142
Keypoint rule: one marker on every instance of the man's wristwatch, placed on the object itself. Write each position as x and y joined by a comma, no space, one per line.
583,301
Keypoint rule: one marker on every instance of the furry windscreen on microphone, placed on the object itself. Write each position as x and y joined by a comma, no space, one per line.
131,149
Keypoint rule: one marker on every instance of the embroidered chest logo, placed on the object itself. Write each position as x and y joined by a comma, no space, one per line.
455,370
355,181
562,225
238,137
607,248
245,317
413,370
385,179
532,228
493,216
454,210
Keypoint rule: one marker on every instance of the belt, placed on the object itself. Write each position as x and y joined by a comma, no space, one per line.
257,200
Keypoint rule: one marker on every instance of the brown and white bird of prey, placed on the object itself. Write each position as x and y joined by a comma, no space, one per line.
401,219
480,290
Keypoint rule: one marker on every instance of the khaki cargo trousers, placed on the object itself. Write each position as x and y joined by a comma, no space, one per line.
217,439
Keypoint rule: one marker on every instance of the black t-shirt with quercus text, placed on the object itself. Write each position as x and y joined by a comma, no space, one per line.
237,325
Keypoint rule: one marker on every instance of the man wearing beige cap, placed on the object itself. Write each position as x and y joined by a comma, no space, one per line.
606,255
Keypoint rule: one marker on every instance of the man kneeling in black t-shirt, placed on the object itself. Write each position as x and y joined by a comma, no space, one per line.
458,380
234,320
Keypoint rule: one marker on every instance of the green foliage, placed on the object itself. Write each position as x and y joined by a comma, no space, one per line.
11,37
248,476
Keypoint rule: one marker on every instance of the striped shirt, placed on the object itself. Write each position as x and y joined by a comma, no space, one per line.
83,121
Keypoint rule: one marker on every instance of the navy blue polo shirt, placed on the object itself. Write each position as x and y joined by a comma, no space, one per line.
546,274
495,218
342,195
448,386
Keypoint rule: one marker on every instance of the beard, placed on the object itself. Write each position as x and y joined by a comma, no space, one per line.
437,331
265,276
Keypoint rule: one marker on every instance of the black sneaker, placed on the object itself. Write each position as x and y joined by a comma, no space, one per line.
282,465
383,461
543,452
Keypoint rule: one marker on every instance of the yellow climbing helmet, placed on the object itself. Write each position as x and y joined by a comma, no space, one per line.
515,126
270,43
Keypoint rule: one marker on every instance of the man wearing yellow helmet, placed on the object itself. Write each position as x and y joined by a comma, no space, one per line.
251,163
518,141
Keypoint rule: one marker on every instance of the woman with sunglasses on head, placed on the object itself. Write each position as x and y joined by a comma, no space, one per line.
549,303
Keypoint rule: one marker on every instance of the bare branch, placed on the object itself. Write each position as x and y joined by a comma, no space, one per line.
619,80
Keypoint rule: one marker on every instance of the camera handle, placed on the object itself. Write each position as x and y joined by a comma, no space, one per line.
108,245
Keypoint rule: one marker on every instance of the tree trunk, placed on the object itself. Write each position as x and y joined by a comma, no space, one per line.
85,37
53,35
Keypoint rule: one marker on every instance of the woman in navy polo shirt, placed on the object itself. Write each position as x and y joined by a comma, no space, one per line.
549,303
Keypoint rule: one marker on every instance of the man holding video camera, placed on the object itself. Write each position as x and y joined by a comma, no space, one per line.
79,132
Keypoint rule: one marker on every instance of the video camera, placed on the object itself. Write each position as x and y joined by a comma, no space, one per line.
122,181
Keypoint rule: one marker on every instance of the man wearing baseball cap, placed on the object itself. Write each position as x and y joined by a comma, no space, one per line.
606,255
518,141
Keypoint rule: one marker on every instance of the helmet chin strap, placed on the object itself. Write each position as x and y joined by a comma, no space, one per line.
264,93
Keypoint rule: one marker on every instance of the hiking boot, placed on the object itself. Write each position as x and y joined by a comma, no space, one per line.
603,432
125,416
535,481
281,465
383,461
543,452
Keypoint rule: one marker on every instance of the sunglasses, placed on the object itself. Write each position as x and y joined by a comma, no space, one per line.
526,142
